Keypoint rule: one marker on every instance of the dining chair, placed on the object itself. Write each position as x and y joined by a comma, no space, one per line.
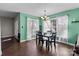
76,47
39,38
45,39
42,40
53,40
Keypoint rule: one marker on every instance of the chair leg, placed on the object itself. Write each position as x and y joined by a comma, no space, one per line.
42,43
36,40
51,45
39,42
55,44
46,44
74,53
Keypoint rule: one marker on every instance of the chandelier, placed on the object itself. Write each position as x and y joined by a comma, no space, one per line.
45,17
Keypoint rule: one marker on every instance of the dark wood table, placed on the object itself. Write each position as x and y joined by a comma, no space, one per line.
48,37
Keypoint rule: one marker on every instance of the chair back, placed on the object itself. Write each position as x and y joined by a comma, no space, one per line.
53,36
40,35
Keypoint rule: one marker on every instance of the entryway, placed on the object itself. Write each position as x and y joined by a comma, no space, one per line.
9,29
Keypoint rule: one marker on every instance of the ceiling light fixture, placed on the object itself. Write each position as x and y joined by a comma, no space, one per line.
45,17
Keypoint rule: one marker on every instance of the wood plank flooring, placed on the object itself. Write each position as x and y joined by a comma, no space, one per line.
29,48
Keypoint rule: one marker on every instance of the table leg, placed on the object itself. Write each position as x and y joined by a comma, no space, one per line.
54,43
48,43
51,44
36,39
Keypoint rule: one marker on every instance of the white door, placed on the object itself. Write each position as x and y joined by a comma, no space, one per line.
32,27
0,38
62,28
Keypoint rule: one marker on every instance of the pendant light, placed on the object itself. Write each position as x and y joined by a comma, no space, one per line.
45,17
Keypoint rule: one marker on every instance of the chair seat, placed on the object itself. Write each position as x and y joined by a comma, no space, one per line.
44,38
77,49
51,40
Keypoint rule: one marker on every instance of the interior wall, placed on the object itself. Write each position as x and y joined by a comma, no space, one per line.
41,28
73,28
16,26
7,27
23,25
0,38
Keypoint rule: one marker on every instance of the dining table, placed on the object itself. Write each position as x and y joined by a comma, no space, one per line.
49,38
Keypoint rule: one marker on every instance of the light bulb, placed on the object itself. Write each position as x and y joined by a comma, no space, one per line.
42,17
45,16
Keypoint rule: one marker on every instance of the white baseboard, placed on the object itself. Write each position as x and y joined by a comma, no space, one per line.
57,41
7,36
25,40
22,41
0,52
67,43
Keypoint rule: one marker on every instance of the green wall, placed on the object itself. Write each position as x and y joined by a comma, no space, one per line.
23,25
40,24
73,28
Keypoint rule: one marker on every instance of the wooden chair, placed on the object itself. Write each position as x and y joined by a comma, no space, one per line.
53,40
39,38
76,47
43,40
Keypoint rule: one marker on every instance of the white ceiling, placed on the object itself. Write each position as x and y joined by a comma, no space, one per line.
8,14
37,9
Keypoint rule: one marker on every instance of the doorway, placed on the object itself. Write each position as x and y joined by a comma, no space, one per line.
8,30
32,27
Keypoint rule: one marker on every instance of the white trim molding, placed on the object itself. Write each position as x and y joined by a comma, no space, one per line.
22,41
0,52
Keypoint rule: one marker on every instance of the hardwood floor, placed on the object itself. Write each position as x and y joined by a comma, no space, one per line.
29,48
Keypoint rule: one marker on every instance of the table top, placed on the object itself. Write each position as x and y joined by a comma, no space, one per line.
46,35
